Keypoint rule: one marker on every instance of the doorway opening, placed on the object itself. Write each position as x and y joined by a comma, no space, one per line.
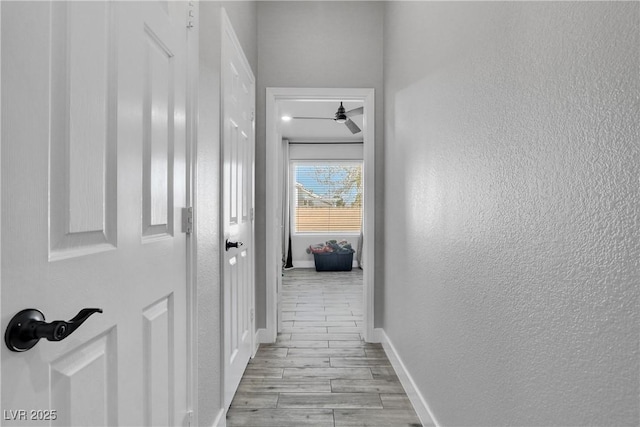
304,107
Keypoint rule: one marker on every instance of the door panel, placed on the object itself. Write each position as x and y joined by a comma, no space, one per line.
83,160
73,374
238,151
93,178
157,364
158,124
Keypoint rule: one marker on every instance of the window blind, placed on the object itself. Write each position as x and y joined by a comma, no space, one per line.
327,197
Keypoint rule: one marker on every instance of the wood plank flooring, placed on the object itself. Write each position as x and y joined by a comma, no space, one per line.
319,372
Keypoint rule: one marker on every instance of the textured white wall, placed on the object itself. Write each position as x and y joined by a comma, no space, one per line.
512,209
317,44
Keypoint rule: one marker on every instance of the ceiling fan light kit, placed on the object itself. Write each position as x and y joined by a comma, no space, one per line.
342,117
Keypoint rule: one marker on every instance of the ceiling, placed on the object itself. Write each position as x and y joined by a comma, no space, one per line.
304,130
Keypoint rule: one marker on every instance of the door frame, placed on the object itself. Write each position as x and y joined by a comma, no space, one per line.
1,145
273,153
191,158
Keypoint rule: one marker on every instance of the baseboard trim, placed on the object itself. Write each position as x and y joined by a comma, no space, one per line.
417,400
304,264
256,343
221,419
379,336
262,336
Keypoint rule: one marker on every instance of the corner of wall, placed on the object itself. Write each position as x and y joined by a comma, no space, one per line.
221,419
262,337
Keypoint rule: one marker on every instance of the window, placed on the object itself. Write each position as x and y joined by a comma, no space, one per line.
327,197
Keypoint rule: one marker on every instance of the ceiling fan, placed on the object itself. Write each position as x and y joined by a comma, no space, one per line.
342,116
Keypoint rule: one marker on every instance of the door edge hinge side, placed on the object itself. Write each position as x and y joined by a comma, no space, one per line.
191,15
187,220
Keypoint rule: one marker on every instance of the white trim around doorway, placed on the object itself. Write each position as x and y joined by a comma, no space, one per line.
273,140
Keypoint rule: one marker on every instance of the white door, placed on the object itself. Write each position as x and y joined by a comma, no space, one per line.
93,182
238,92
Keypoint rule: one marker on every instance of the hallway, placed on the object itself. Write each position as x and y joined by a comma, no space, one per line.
319,372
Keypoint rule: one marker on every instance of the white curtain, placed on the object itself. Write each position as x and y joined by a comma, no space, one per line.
286,220
360,244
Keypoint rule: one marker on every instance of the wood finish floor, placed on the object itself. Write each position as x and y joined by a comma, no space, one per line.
320,372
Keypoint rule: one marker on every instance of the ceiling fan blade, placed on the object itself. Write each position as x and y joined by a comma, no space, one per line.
313,118
352,126
355,112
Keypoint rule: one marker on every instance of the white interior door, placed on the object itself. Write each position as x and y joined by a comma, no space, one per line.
238,92
93,182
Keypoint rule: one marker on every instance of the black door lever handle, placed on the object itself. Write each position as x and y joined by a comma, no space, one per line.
228,245
28,326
